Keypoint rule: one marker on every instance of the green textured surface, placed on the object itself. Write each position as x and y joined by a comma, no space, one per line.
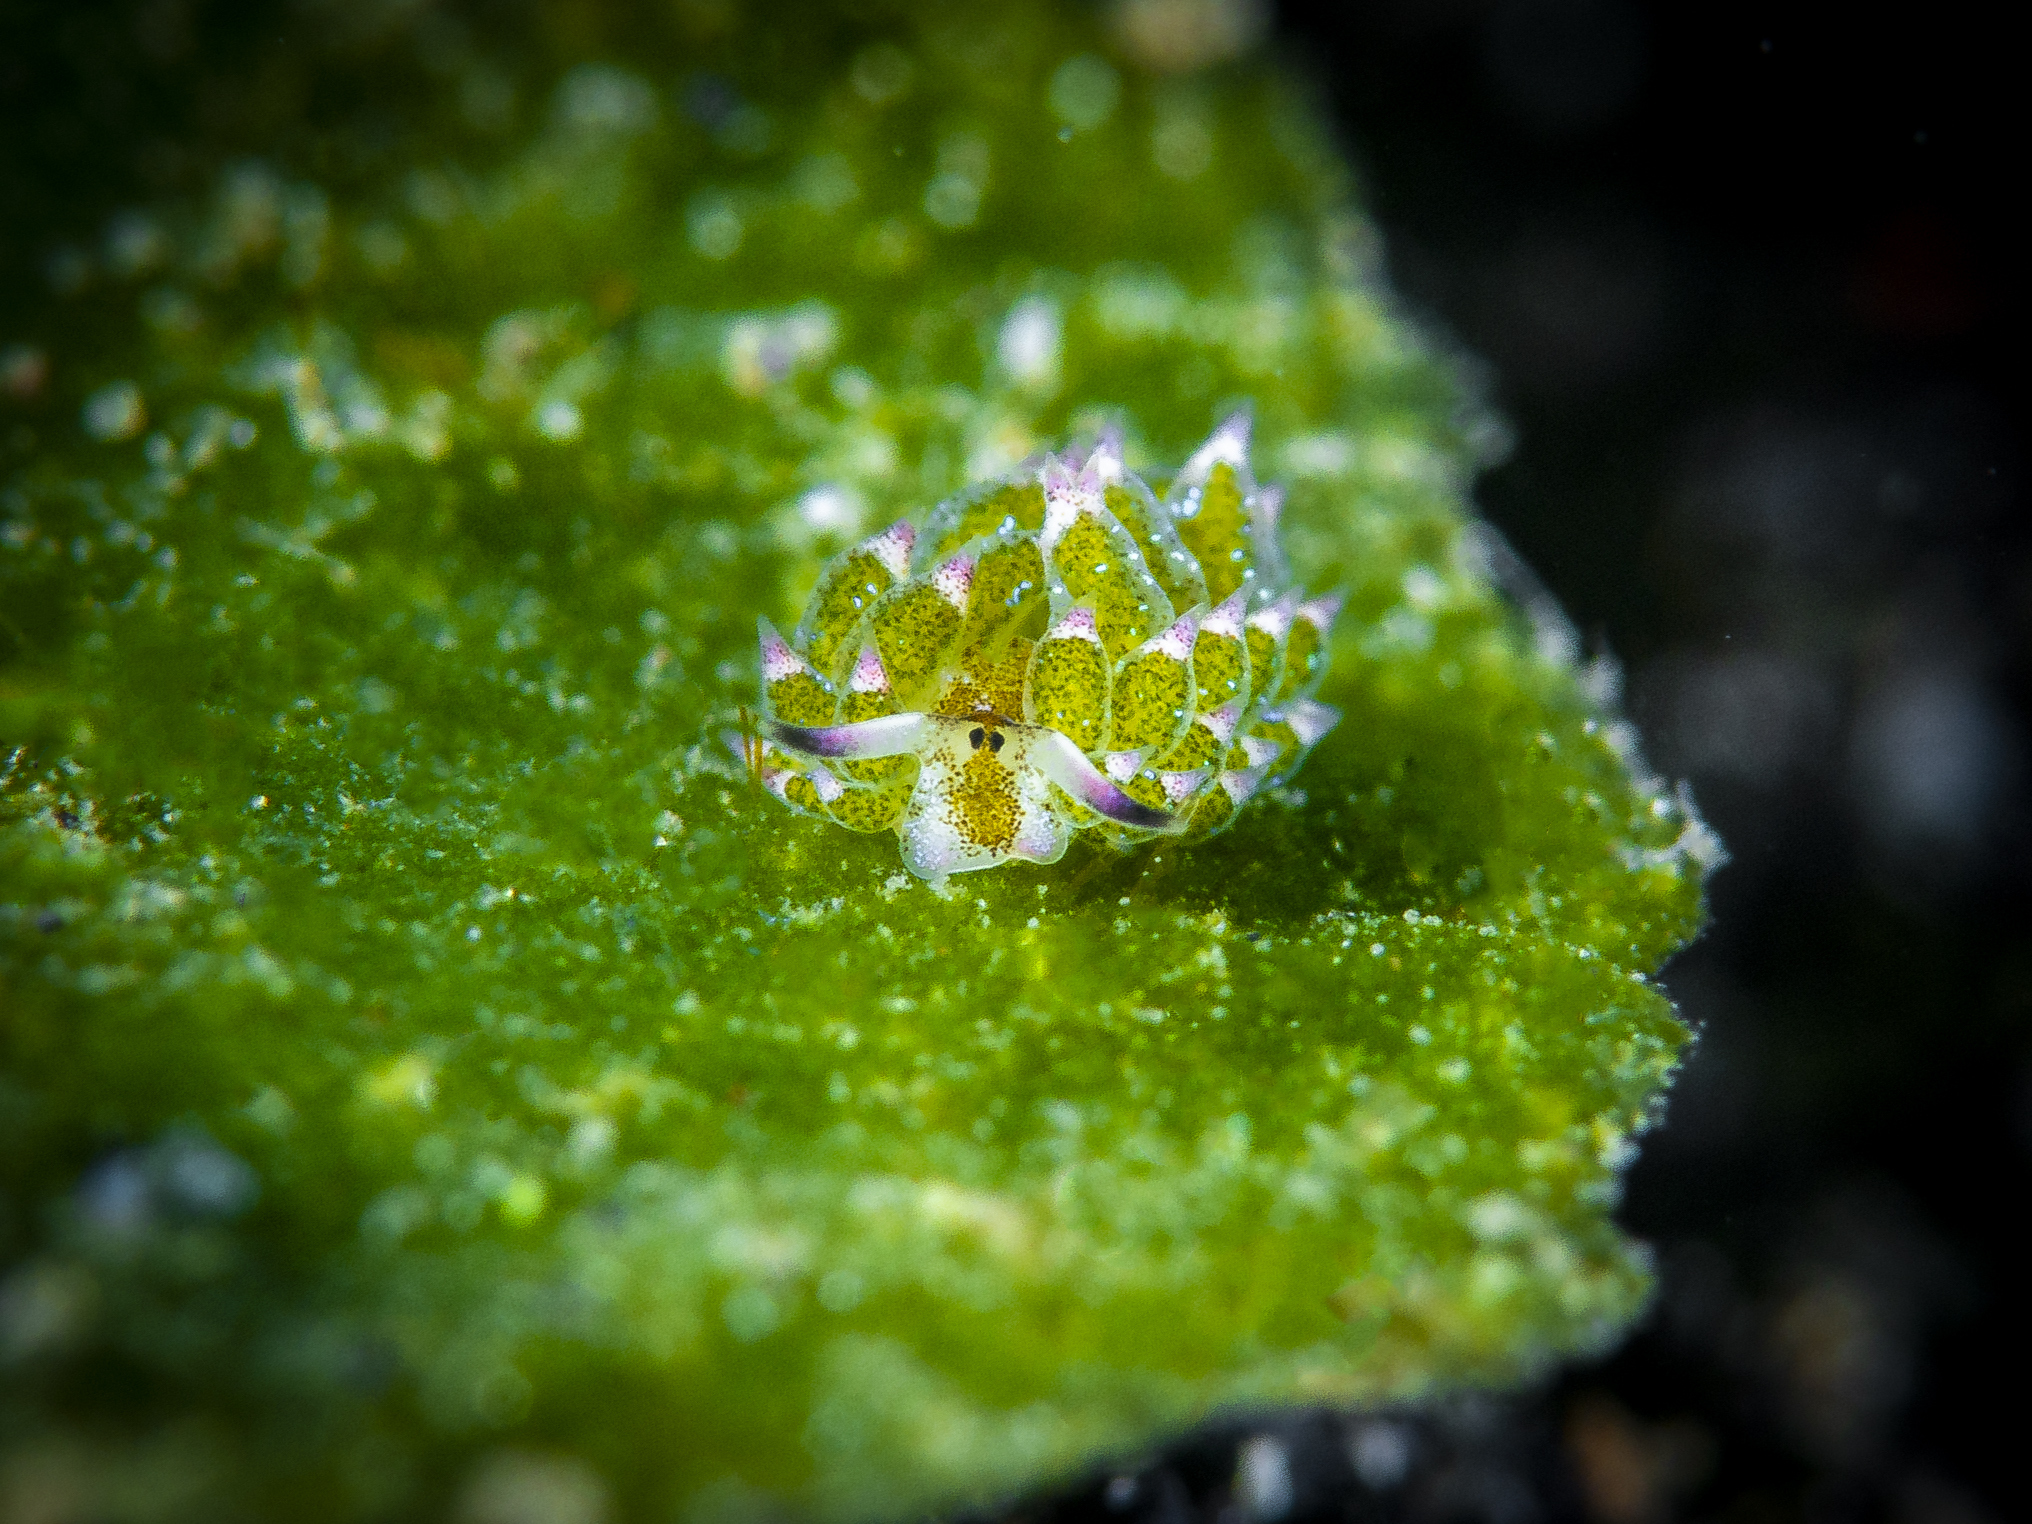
417,1039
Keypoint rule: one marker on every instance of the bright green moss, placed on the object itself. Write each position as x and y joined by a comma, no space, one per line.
417,1034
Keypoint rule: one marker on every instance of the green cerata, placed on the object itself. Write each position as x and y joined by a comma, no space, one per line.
1058,650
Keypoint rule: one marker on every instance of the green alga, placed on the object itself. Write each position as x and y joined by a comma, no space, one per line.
418,1032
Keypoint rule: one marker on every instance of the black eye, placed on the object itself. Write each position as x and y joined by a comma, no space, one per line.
977,736
995,741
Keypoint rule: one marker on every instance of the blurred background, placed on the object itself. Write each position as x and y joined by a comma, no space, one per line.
1734,273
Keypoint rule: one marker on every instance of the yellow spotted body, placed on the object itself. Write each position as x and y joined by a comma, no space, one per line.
935,670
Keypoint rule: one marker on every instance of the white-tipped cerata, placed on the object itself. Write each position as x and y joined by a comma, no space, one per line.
779,660
1274,619
1121,765
777,780
892,547
1240,785
1226,616
1260,750
1321,612
1222,721
1106,460
869,675
953,580
1068,493
1310,720
1176,640
1078,624
1227,445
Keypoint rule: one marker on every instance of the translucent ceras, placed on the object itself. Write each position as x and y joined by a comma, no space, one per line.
1057,651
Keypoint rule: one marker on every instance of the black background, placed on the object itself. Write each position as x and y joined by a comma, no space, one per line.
1737,277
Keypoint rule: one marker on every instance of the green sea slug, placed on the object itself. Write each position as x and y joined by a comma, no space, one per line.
1059,650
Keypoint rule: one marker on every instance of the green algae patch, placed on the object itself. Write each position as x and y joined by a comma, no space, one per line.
425,1049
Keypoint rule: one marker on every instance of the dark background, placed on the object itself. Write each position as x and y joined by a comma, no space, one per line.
1736,276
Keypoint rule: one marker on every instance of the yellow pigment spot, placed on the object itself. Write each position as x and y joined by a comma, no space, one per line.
847,588
1220,660
1266,632
874,809
1152,701
1216,531
1008,594
1097,564
1068,687
916,626
1164,553
1002,508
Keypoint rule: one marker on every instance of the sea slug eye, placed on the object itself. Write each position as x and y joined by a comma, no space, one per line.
995,741
978,735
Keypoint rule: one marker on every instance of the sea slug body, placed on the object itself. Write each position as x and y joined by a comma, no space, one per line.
1059,650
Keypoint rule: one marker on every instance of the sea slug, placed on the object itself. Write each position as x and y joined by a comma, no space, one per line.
1058,650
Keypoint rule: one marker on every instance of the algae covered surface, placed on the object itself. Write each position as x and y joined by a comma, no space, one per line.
424,1049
